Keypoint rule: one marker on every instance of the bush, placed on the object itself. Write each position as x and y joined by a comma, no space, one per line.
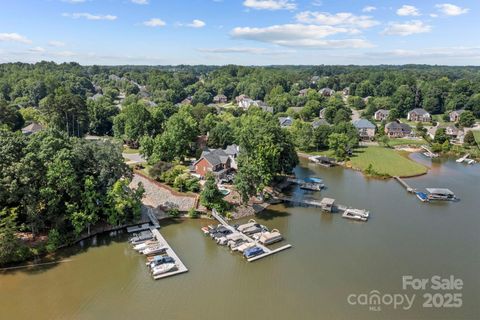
173,212
192,213
54,240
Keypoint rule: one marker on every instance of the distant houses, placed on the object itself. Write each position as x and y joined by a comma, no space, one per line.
220,98
366,129
455,115
285,122
420,115
326,92
381,115
303,93
397,130
321,114
219,162
32,128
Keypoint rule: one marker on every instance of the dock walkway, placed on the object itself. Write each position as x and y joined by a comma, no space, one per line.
181,268
405,184
309,203
267,251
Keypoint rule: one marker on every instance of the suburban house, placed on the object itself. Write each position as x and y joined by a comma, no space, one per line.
220,98
419,115
365,128
217,161
240,98
320,122
314,79
397,130
346,91
452,131
381,115
455,115
32,128
285,121
326,92
303,93
321,115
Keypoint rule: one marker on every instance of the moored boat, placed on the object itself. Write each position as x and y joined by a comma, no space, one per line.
270,237
253,252
356,214
144,245
440,194
422,196
163,268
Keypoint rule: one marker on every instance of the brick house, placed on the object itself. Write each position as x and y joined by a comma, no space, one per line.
220,98
326,92
397,130
455,115
217,161
381,115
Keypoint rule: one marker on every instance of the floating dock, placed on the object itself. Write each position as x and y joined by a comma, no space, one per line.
143,227
267,251
181,268
405,184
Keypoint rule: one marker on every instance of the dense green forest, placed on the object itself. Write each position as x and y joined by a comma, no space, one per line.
58,183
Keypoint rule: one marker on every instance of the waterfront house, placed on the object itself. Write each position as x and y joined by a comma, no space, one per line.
220,98
365,128
326,92
418,114
381,115
32,128
397,130
455,115
285,121
217,161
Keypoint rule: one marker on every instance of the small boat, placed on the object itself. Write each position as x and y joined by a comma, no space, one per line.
356,214
233,236
313,180
144,245
153,258
233,244
207,229
247,225
312,186
255,229
141,237
163,260
163,268
252,252
154,250
270,237
422,196
244,246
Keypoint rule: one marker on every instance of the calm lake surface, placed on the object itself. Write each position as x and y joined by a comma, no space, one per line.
331,259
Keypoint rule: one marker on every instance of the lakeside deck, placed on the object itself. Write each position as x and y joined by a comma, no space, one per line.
267,251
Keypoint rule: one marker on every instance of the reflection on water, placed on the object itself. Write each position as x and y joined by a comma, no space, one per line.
330,259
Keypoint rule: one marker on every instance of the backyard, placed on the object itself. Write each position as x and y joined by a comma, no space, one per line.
385,161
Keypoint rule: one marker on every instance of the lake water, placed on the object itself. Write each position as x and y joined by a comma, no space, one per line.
331,259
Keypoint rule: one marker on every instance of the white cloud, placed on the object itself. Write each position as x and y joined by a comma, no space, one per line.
299,35
270,4
407,28
243,50
55,43
14,37
155,22
65,54
196,24
139,1
447,52
317,3
339,19
433,15
89,16
451,9
37,50
407,10
369,9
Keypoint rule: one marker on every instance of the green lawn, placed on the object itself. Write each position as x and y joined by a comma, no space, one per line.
386,161
476,134
399,142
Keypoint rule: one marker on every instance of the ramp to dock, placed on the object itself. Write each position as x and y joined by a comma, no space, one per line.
267,251
405,184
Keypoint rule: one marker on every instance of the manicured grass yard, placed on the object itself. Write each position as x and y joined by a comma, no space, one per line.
476,134
399,142
386,161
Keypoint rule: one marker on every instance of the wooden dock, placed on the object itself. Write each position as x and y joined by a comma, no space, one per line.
181,268
267,251
143,227
405,184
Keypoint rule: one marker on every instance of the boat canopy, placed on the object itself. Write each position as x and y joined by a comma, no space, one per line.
313,180
442,191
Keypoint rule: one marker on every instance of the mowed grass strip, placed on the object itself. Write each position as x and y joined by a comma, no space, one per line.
476,134
386,161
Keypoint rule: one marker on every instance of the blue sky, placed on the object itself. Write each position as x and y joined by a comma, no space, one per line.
248,32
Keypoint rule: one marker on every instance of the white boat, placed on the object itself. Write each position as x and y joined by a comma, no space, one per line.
356,214
270,237
244,246
255,229
163,268
233,236
232,244
154,250
247,225
440,194
144,245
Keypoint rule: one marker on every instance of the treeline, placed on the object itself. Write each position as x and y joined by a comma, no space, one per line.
60,185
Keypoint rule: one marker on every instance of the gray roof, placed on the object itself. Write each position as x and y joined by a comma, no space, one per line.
32,128
285,121
363,124
383,111
398,126
215,156
440,191
419,111
232,150
458,111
